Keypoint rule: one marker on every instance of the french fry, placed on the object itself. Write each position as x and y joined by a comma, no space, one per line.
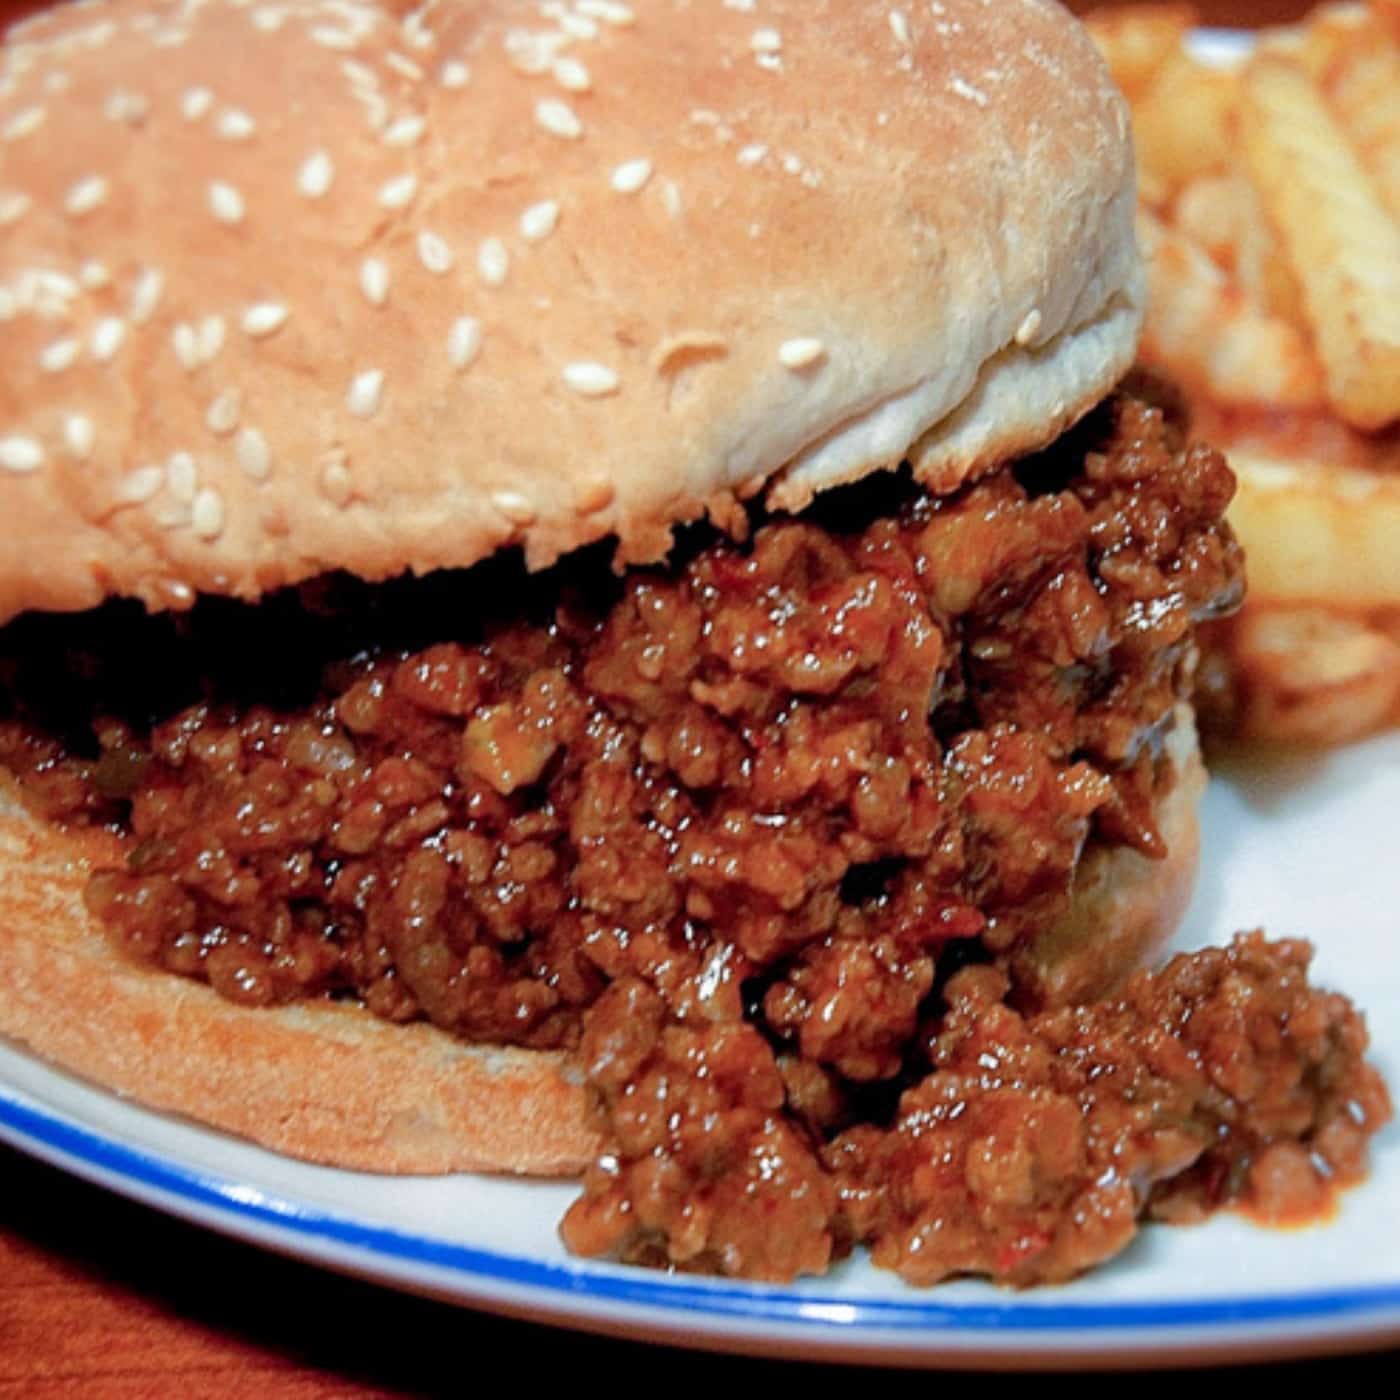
1364,86
1182,122
1330,31
1318,533
1309,676
1204,333
1136,40
1263,268
1339,238
1216,211
1270,198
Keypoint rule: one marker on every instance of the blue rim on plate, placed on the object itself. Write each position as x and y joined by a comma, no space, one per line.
111,1161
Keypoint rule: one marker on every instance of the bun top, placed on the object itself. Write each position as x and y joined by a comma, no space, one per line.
297,285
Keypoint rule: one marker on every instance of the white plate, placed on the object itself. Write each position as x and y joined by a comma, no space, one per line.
1302,846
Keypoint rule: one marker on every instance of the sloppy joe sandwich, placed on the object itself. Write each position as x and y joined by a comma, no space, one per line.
581,592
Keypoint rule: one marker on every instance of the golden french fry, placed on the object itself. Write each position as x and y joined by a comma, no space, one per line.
1364,86
1316,533
1182,122
1311,676
1264,271
1330,30
1204,333
1216,211
1340,240
1136,40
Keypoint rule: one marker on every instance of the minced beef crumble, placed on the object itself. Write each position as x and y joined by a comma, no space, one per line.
761,837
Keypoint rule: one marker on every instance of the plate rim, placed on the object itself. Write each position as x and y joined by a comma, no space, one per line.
584,1293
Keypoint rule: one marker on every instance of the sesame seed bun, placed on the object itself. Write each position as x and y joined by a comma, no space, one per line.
297,287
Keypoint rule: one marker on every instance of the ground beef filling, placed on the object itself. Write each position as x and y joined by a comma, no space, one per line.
753,836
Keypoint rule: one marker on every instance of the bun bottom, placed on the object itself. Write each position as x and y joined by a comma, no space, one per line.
335,1085
1124,907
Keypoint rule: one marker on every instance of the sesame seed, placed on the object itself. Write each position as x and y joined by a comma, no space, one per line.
20,454
531,53
464,341
207,517
398,192
571,74
558,118
235,125
609,11
361,75
137,487
13,206
330,38
264,318
766,41
59,354
374,281
590,379
770,62
268,19
629,177
107,337
493,262
800,353
404,66
94,275
56,284
223,414
515,507
966,90
145,294
85,196
416,32
365,393
1026,331
454,74
671,198
23,123
181,595
538,221
315,176
124,106
752,155
186,345
577,26
745,6
405,131
434,253
251,450
79,436
195,104
899,27
336,485
212,331
225,203
182,476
